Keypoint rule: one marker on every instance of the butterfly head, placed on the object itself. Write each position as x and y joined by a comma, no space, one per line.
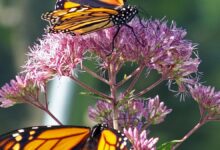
97,129
101,134
125,15
60,4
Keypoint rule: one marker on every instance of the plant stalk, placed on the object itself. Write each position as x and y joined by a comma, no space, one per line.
113,90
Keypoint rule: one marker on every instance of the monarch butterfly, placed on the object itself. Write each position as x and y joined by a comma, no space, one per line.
79,17
100,137
84,16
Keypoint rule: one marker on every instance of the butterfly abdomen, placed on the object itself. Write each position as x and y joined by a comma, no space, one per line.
125,15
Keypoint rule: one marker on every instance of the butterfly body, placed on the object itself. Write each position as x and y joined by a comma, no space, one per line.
100,137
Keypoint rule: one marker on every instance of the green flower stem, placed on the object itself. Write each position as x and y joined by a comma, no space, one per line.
148,88
131,86
136,71
113,89
92,90
195,128
38,104
95,75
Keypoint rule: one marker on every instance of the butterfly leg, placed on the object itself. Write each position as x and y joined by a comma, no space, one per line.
113,40
141,23
135,35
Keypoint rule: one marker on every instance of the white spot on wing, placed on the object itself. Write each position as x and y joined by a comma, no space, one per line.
82,9
34,128
15,134
72,10
21,130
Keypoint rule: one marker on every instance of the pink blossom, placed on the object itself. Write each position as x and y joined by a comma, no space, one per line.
18,91
139,140
208,99
55,54
137,113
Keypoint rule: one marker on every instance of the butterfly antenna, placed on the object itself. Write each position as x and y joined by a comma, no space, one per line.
136,37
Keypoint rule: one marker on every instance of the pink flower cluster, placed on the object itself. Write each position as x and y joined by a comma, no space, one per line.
139,140
135,113
18,91
55,55
208,100
162,48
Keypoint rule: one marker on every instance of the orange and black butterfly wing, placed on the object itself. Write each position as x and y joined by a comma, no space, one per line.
45,138
106,3
85,22
112,139
92,3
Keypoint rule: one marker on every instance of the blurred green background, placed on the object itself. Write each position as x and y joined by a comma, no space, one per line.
20,26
